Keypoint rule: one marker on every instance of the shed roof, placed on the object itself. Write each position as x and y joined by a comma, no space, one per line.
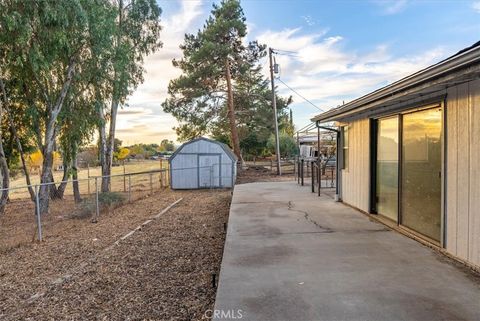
423,86
227,149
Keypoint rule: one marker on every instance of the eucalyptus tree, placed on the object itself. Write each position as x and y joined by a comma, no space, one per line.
213,59
136,33
46,43
5,179
78,120
15,127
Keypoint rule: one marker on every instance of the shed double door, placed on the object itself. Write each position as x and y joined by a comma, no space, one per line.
209,171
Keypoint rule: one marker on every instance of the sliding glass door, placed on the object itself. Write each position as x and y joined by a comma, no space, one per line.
421,172
411,193
387,167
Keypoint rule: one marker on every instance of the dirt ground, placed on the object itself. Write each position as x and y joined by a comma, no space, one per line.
162,272
256,173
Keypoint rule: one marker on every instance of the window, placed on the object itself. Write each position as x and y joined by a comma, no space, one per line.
345,147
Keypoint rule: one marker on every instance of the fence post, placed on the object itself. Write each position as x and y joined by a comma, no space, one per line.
331,184
37,209
129,188
319,177
298,171
97,206
88,180
151,183
303,165
167,175
313,179
124,182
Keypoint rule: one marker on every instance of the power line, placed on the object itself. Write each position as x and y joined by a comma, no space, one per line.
308,101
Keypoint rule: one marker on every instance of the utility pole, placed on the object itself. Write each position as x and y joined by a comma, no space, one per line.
274,103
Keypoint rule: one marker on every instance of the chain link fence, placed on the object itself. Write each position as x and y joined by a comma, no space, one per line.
83,199
69,201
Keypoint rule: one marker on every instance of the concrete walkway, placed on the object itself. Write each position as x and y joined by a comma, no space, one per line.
290,255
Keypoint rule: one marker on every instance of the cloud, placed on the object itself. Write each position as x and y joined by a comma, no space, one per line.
327,73
144,106
323,69
309,20
390,7
476,6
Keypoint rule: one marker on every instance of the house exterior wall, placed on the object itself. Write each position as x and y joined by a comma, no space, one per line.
462,204
462,170
356,177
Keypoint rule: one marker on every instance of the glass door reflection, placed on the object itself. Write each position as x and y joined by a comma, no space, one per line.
421,172
387,168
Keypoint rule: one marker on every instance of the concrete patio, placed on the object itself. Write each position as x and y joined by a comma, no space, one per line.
291,255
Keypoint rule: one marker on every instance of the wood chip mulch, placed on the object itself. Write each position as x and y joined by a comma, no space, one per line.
162,272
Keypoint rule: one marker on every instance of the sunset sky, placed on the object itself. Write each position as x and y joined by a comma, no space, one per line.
343,49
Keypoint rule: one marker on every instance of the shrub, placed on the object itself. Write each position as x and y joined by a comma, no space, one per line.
110,199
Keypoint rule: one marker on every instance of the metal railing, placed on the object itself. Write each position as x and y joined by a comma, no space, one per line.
322,176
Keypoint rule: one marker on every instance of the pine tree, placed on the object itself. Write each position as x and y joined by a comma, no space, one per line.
213,60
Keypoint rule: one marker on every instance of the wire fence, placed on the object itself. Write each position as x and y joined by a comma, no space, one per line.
83,199
69,200
287,164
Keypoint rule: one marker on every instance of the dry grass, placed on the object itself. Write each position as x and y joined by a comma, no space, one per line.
18,225
162,272
18,189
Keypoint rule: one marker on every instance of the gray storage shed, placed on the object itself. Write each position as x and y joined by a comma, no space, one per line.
203,163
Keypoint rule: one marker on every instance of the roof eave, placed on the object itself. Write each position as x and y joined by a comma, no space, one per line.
452,64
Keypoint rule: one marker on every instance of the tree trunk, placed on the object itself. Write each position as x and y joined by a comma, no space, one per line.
43,193
76,189
107,143
17,139
111,141
22,156
231,114
3,162
103,152
49,140
63,183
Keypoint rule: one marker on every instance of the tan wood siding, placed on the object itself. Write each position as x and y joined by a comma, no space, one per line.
451,168
463,171
474,237
356,178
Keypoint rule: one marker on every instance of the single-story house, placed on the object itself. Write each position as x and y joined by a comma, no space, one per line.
410,153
